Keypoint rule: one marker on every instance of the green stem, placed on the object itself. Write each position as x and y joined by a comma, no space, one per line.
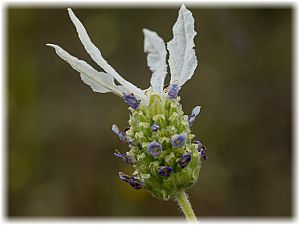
186,207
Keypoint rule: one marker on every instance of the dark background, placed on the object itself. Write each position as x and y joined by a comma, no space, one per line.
60,144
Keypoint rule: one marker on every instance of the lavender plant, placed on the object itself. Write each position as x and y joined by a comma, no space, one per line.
163,152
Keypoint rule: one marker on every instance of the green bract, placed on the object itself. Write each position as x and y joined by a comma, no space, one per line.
169,116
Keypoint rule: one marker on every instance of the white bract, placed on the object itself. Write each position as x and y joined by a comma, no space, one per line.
182,59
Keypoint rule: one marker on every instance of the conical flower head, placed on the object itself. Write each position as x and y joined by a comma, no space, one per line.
162,174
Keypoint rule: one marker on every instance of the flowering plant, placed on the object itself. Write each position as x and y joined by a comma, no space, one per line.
162,151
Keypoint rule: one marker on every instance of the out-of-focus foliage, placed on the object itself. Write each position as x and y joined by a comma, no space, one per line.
60,144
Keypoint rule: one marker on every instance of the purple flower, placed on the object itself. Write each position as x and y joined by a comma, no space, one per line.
121,134
201,149
135,183
178,140
203,154
131,100
124,177
194,114
165,171
154,127
200,146
123,156
154,148
173,91
184,160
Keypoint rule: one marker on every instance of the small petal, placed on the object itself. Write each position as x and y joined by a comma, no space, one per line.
123,156
154,127
200,146
117,131
122,136
184,160
124,177
201,149
194,114
165,171
173,91
196,110
202,153
178,140
154,148
131,100
135,183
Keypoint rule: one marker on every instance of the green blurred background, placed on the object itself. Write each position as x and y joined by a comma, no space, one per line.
60,144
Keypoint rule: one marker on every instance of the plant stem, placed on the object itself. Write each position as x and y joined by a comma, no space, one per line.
186,207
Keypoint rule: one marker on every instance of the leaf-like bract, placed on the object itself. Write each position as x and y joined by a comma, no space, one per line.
182,57
98,81
96,55
156,59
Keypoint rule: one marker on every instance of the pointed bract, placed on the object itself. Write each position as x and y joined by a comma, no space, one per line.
182,57
156,59
96,55
98,81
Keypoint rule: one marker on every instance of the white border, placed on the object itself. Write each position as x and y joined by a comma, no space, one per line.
154,3
138,3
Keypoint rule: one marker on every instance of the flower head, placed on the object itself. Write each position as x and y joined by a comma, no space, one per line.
162,151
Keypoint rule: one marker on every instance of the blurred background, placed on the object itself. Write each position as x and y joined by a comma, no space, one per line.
60,144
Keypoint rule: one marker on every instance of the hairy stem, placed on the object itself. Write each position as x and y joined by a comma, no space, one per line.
186,207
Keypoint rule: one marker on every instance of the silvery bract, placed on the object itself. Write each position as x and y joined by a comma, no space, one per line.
162,151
